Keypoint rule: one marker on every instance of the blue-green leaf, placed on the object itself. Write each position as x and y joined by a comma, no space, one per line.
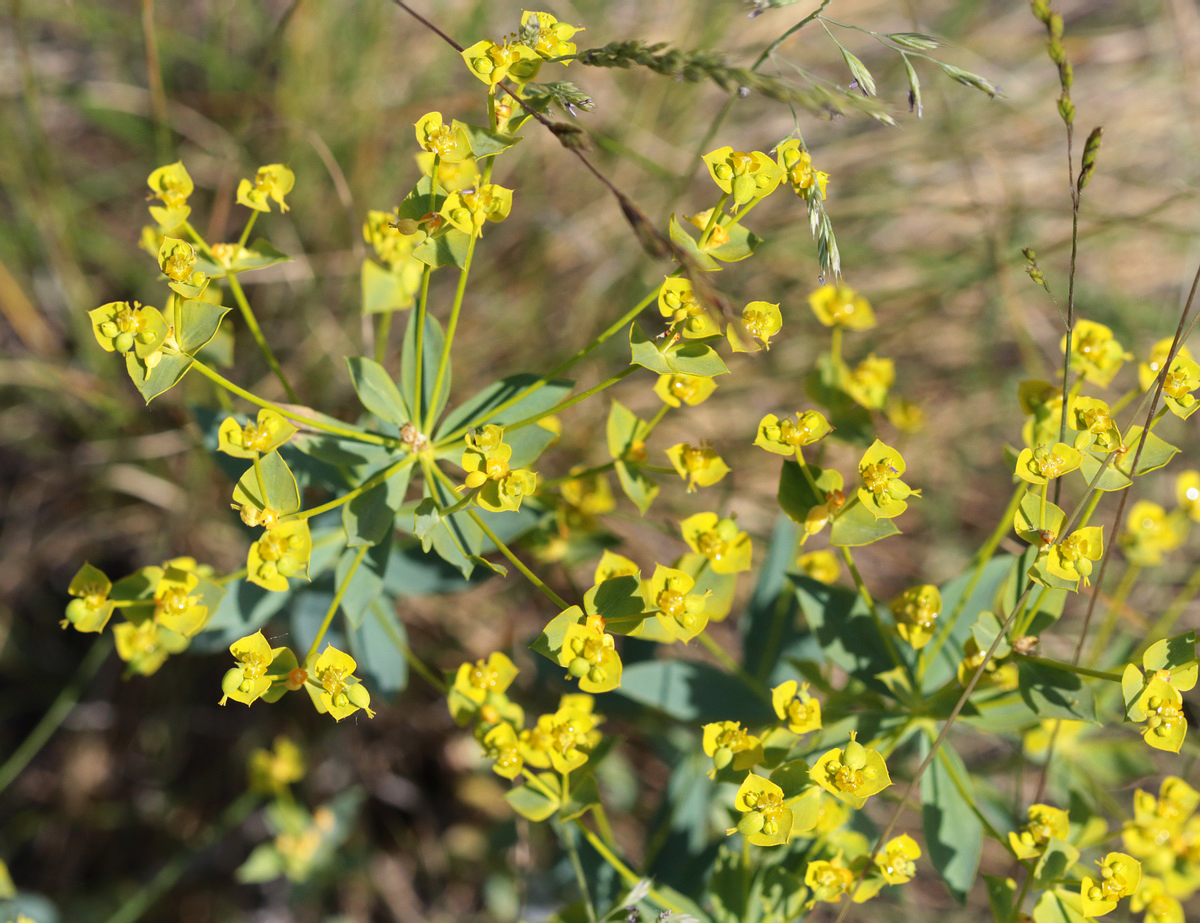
376,390
692,691
953,832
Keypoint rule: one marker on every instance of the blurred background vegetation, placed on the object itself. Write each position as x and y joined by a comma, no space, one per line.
930,216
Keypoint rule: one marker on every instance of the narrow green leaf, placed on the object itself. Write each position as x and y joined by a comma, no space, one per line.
496,394
1052,692
377,391
953,832
367,584
688,690
431,352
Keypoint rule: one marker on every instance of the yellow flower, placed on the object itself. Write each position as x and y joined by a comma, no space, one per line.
828,881
1159,708
743,176
272,771
1187,493
820,565
590,495
391,245
787,436
766,820
852,774
1180,381
448,142
267,433
793,705
869,381
797,166
550,38
1148,370
503,746
727,548
562,740
1095,352
146,645
121,326
760,321
486,462
250,679
282,551
882,492
1150,532
1071,559
1045,823
271,182
333,687
699,465
177,260
669,597
677,302
1092,419
1160,906
172,185
678,389
174,606
91,608
493,63
841,306
1120,876
589,654
1044,463
468,209
916,611
730,746
897,860
480,683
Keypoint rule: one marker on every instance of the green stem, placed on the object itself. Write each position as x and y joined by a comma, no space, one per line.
563,366
835,345
627,874
518,563
567,836
56,713
246,230
884,634
730,664
134,908
1025,619
580,475
401,645
419,353
344,432
451,327
422,304
1072,668
255,331
336,603
358,491
713,217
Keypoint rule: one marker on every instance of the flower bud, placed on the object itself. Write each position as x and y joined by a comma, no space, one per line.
854,755
750,824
